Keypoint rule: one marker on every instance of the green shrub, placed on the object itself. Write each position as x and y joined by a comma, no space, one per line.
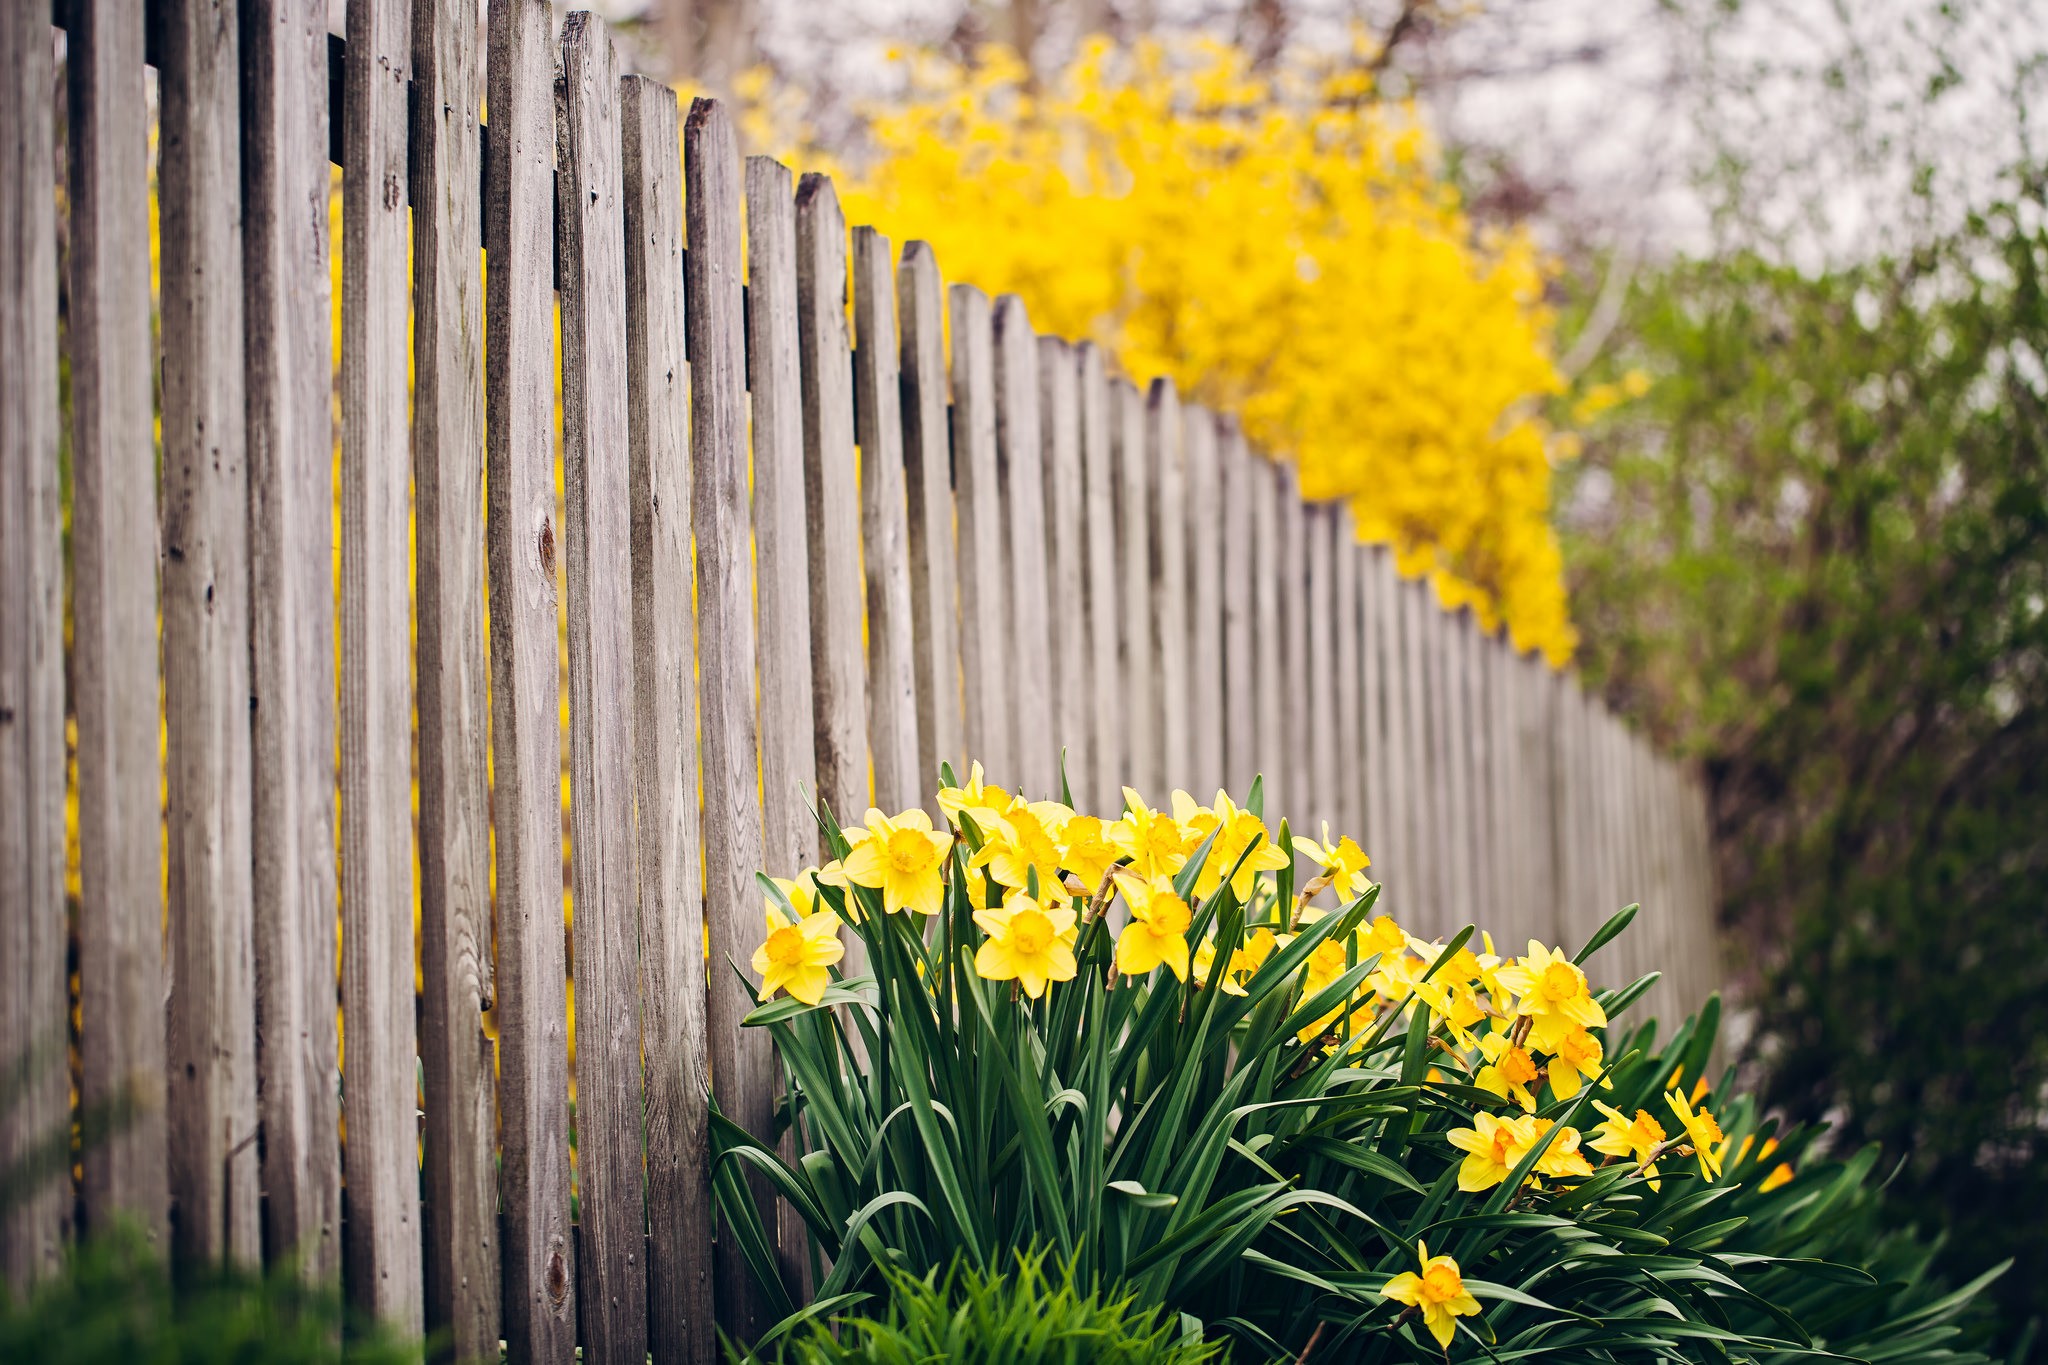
1263,1114
1032,1313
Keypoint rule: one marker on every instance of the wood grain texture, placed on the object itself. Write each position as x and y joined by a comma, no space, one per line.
742,1066
590,222
885,527
679,1213
1296,773
526,767
984,587
34,995
1347,815
832,501
459,1208
1137,494
1099,583
1377,821
1020,469
928,498
1420,899
1236,469
114,644
1460,633
1072,660
1172,729
1205,602
788,715
210,1043
1268,723
1319,751
381,1250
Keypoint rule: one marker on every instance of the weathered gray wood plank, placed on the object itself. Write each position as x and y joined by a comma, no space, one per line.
885,527
460,1204
590,221
1235,553
381,1251
679,1213
742,1066
928,494
34,995
210,1044
1020,472
1296,771
832,502
1108,761
788,715
114,610
526,768
1377,824
1137,496
1072,661
984,588
1205,602
1268,722
1420,899
1319,751
1172,735
1348,814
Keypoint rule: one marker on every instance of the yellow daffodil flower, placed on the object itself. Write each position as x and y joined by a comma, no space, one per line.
1492,1146
1620,1135
1158,929
1244,961
1236,830
1704,1133
1382,936
1579,1054
1551,990
796,953
1509,1072
1028,942
1562,1157
976,793
1439,1292
1087,851
1782,1175
1153,840
1021,841
905,859
1343,862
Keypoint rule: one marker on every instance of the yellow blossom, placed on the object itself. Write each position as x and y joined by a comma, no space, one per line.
1782,1175
1343,862
796,953
1509,1071
1244,961
1439,1291
1158,929
1579,1054
1028,942
1086,850
1235,830
1551,990
1562,1157
1155,842
1620,1135
1704,1132
1381,936
905,859
975,793
1492,1146
1020,841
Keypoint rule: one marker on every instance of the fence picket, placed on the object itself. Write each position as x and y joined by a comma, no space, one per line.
1374,753
984,590
1319,751
1020,473
1109,762
679,1213
1205,602
113,546
1073,665
885,532
34,1004
1348,814
781,547
459,1209
1268,727
1296,770
1171,731
928,495
1235,552
526,737
611,1256
742,1067
1135,649
832,501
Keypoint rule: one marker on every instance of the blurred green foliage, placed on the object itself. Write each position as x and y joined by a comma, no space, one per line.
1815,555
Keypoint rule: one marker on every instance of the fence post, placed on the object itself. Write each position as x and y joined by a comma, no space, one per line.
781,544
526,736
114,634
1073,663
1348,816
1020,473
1109,760
1296,770
742,1066
679,1213
1235,551
885,532
1170,731
1205,602
832,497
984,591
1268,723
1387,799
34,1008
1319,748
1135,495
460,1207
928,477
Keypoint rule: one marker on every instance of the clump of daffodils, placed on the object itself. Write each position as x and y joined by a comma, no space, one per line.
1524,1031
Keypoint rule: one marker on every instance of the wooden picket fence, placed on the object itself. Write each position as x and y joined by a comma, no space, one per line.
1026,554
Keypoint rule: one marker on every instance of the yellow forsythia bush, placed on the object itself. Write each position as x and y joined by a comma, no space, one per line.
1283,245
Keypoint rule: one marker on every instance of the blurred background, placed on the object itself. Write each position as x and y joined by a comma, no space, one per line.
1702,342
